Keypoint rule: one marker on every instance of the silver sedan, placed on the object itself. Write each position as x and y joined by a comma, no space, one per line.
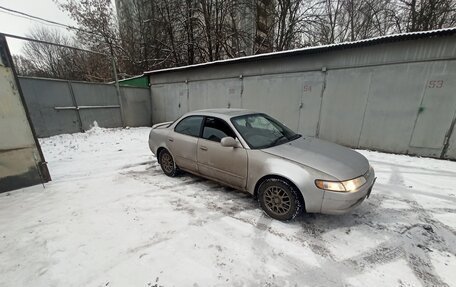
253,152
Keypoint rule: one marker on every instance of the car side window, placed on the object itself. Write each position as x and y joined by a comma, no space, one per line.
189,126
215,129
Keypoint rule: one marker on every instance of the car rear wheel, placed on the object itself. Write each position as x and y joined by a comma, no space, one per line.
167,163
279,199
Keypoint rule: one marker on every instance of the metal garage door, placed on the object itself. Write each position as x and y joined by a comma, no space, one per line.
435,114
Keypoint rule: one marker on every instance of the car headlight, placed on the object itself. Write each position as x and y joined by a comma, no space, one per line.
341,186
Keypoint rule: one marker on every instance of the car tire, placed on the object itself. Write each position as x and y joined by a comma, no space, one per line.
279,199
167,163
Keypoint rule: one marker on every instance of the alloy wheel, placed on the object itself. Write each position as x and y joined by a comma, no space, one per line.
167,162
277,200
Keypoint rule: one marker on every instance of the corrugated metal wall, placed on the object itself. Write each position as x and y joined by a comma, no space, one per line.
21,161
58,106
396,97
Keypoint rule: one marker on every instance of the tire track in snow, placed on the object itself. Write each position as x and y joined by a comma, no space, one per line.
311,237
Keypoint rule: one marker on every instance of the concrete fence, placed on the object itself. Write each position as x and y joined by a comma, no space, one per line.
59,106
396,97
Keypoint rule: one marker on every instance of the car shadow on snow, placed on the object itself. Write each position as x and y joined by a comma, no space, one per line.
410,229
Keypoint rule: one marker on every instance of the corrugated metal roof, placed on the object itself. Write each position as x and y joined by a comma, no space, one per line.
316,49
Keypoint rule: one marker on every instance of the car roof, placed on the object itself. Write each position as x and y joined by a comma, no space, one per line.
222,113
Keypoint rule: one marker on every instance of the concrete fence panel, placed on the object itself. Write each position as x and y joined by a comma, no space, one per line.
42,96
59,106
104,103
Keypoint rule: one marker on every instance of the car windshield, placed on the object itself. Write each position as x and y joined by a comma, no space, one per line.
262,131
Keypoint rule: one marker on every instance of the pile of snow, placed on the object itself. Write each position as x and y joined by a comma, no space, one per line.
111,218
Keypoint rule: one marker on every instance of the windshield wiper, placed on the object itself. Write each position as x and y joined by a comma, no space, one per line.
277,140
295,136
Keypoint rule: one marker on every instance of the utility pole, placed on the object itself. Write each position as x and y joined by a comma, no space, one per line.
114,68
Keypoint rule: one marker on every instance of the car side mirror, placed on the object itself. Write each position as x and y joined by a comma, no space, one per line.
229,142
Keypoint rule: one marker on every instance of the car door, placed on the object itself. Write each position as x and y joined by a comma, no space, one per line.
226,164
183,142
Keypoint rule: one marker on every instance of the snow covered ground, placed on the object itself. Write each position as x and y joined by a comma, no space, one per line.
111,218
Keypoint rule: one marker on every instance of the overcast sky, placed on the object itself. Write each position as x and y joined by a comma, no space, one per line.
19,26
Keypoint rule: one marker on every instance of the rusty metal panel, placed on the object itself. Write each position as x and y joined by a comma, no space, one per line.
14,126
21,161
224,93
343,105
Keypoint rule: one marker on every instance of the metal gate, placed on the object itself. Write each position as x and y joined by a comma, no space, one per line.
21,161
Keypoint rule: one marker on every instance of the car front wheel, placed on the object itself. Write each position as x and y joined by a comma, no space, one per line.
167,163
279,199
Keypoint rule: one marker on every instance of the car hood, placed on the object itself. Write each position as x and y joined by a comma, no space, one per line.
333,159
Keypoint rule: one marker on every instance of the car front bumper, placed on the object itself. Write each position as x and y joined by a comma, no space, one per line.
343,202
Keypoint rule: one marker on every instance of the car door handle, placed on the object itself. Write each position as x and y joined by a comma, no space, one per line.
170,139
203,148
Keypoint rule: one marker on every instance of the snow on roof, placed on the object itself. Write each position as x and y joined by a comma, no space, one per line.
364,42
131,78
224,111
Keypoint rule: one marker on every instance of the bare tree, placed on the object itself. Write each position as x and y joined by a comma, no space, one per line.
291,19
47,59
23,66
153,34
98,31
422,15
